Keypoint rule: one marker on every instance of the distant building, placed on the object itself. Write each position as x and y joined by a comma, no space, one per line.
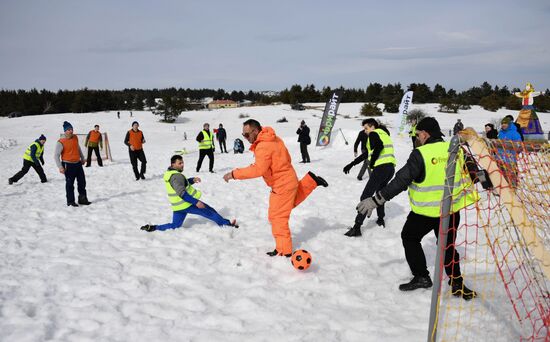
222,104
245,103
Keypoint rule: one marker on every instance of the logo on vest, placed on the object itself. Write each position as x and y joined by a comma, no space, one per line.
438,160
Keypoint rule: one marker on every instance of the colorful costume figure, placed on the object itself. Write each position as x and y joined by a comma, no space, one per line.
527,118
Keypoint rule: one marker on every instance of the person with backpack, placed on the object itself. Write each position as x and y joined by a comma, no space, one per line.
382,164
32,158
94,141
134,140
238,146
221,136
304,139
206,147
185,199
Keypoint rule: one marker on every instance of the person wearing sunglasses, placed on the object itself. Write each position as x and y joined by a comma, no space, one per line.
273,163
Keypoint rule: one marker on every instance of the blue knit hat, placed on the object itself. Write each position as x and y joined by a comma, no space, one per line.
67,125
42,137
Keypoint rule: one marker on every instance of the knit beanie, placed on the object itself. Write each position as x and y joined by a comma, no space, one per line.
42,137
430,125
506,120
135,122
67,125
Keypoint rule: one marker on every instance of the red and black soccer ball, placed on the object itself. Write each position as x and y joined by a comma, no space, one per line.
301,259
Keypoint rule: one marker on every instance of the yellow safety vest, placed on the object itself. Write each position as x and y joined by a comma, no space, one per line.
39,151
386,155
176,201
413,131
426,197
207,142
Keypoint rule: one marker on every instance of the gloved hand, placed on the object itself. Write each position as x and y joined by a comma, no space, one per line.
366,206
348,167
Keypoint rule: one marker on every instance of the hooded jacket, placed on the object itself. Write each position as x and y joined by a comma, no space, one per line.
510,134
272,162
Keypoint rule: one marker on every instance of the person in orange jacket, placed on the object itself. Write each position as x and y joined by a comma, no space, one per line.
273,163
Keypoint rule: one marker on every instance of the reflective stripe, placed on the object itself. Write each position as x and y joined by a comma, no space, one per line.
388,146
436,203
431,188
176,201
388,155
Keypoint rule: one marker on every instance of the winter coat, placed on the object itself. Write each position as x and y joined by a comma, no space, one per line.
492,134
459,126
510,134
361,140
303,135
221,135
272,162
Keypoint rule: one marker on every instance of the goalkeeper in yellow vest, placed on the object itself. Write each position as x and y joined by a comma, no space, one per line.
32,158
424,177
185,199
205,139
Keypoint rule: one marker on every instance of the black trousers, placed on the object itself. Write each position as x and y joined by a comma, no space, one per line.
364,167
203,153
134,157
26,167
223,147
74,171
416,227
98,156
379,178
305,154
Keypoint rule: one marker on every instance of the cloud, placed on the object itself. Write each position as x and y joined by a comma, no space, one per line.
125,46
431,52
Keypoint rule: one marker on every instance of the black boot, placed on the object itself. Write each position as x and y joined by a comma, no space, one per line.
319,180
458,289
142,176
380,222
354,231
72,204
418,282
275,253
10,181
234,223
149,228
83,200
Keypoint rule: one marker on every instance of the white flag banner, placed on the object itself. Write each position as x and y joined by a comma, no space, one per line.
406,102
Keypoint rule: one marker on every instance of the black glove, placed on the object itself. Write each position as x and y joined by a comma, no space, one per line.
348,167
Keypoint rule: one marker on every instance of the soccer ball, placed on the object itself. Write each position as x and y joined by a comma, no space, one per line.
301,259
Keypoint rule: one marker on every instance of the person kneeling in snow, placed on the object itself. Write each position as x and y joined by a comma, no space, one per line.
185,199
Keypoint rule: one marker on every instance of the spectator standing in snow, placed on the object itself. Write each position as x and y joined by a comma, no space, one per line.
518,127
94,141
424,176
361,140
69,159
272,162
304,139
206,147
134,140
221,136
185,199
382,163
32,158
459,126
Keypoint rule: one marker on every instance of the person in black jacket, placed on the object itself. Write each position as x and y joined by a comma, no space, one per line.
362,140
34,155
382,171
417,226
459,126
221,136
490,131
304,139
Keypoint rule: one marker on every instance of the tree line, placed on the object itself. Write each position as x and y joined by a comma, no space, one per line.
33,102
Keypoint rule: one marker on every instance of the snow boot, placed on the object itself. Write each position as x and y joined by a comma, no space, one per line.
417,282
354,231
10,181
72,204
83,200
458,289
275,252
142,176
319,180
149,228
380,222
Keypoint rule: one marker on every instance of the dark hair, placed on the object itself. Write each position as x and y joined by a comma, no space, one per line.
253,123
376,124
364,122
175,157
490,125
96,126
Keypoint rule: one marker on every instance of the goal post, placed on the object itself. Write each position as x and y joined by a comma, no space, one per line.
504,245
104,152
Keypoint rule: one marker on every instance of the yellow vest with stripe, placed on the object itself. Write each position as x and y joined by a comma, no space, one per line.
39,151
176,201
426,197
386,155
207,141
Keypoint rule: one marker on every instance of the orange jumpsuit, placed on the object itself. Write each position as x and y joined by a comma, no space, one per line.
273,163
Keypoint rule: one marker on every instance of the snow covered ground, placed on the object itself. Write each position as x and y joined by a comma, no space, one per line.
90,273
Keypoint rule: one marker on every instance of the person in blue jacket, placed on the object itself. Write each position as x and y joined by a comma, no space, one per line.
185,199
32,158
507,155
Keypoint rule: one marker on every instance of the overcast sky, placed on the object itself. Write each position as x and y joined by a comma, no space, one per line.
261,45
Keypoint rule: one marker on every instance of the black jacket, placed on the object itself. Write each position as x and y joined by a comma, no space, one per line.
414,171
376,145
492,134
459,126
361,140
222,134
303,135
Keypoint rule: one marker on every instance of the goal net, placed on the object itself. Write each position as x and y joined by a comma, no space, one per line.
503,241
104,151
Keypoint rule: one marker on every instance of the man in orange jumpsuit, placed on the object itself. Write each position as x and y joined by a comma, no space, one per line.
273,163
